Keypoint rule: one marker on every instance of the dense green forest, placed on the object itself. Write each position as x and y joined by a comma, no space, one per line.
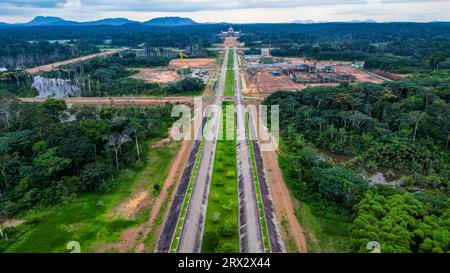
16,83
192,38
109,76
400,128
24,54
396,47
49,154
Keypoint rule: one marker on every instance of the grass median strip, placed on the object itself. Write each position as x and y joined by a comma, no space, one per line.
262,216
229,80
222,217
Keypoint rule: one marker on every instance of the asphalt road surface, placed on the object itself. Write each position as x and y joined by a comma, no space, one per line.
192,232
251,240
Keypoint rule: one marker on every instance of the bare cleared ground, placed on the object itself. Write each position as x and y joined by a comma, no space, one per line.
266,82
12,223
155,75
131,207
360,75
136,101
193,63
231,41
50,67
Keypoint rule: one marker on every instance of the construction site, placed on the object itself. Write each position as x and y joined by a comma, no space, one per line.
266,74
177,69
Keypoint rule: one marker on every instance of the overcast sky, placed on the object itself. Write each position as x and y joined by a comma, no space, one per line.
236,11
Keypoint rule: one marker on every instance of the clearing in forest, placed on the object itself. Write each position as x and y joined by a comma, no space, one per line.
155,75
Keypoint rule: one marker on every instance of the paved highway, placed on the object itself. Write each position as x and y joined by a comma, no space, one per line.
192,232
251,240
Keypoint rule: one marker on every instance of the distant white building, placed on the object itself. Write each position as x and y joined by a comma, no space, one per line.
230,33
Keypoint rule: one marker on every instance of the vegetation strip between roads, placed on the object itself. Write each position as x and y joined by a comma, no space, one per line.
221,225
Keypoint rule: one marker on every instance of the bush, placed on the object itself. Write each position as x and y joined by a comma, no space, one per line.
227,229
211,241
340,185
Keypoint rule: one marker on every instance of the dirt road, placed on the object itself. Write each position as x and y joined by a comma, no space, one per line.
50,67
136,101
284,203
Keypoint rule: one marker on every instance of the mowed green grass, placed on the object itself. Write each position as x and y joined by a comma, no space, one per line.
230,64
90,219
324,234
222,211
229,80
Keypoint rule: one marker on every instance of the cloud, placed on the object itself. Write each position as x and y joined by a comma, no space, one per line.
70,4
230,10
192,5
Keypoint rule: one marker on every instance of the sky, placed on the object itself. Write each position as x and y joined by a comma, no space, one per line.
233,11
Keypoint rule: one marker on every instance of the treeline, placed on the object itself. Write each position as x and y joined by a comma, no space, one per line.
187,37
413,47
49,154
399,128
16,83
24,54
109,76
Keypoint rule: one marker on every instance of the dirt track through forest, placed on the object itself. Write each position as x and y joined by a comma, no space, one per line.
131,101
52,66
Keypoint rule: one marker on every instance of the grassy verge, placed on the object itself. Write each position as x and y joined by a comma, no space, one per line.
221,234
91,219
262,217
230,64
229,79
322,234
229,84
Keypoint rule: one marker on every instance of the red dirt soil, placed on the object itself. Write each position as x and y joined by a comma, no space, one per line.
284,204
193,63
138,101
155,75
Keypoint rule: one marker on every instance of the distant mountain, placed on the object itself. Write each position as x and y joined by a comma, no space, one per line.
48,21
306,22
109,22
363,21
318,22
170,21
56,21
